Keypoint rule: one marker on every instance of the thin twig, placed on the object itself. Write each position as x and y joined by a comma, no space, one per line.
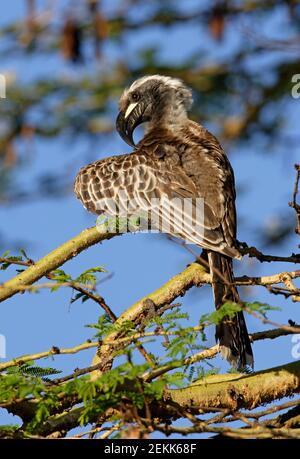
294,203
53,351
253,252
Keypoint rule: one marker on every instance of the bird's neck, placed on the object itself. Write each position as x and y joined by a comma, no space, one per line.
172,117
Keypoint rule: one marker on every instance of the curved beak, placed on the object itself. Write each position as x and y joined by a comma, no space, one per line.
127,122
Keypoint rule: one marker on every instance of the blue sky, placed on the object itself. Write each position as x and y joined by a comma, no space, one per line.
139,263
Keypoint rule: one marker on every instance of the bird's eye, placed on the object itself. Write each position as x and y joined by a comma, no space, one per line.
135,96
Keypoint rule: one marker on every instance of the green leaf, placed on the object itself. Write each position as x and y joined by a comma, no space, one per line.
23,253
78,296
4,266
42,413
61,276
9,427
261,307
88,276
9,262
36,371
228,309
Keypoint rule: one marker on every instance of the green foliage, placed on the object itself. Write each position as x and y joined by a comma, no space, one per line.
180,346
230,309
105,327
169,320
203,372
121,384
262,308
14,385
27,369
59,275
12,259
9,427
78,296
9,431
31,370
24,254
226,310
88,276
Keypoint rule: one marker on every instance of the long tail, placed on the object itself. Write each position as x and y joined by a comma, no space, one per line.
232,334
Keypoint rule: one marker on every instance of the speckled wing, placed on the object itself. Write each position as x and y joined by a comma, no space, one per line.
127,184
112,185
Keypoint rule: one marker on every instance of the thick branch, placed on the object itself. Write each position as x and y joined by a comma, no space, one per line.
194,274
228,391
239,391
212,352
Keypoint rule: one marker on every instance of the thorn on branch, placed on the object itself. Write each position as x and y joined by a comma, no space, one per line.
55,350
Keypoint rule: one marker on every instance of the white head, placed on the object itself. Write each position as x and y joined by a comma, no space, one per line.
158,99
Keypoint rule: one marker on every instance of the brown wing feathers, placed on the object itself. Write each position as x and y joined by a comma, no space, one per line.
164,167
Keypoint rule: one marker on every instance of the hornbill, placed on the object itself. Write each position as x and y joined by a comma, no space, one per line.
181,160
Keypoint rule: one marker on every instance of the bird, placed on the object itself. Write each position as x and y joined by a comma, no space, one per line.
177,160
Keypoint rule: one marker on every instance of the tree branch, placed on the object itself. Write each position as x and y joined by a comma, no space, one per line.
294,203
253,252
238,391
53,351
213,393
194,274
54,259
212,352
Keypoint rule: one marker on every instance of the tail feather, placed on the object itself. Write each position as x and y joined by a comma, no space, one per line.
232,334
